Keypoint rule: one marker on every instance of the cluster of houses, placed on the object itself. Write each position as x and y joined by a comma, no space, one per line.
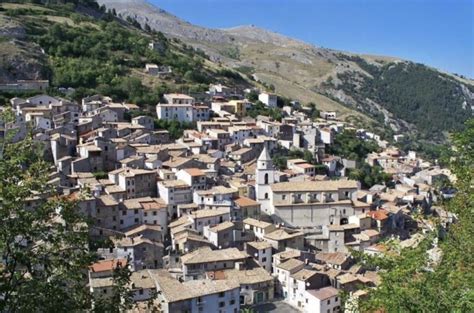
207,223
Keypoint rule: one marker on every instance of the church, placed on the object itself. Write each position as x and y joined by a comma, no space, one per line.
303,204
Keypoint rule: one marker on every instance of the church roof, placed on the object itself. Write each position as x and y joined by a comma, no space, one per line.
264,156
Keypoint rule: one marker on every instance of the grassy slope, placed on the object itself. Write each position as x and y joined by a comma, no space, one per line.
291,77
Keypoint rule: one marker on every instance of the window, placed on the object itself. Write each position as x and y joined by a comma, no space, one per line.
264,259
265,179
221,294
124,212
154,213
232,302
221,304
136,211
266,195
141,291
329,301
335,299
283,197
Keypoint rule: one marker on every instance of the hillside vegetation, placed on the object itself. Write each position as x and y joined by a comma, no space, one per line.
432,101
93,51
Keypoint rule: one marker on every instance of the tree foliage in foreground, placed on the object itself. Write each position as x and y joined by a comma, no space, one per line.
407,286
44,251
43,239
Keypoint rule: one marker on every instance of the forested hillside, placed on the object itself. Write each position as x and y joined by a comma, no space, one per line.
91,50
433,102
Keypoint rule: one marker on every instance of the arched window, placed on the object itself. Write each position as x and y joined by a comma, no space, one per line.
265,178
266,195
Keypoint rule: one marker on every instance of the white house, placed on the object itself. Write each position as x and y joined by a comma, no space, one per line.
181,108
202,295
322,300
194,177
261,251
268,99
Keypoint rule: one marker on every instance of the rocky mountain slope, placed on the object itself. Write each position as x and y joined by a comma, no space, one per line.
332,79
19,59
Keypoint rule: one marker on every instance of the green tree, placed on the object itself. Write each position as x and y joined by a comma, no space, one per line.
44,246
43,236
121,299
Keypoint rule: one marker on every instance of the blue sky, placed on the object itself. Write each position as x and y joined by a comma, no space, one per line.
438,33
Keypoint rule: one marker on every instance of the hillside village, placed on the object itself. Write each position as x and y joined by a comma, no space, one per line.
207,222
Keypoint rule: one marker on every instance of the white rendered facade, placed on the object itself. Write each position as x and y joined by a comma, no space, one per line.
264,177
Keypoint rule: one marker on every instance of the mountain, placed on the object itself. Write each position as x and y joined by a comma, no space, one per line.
407,97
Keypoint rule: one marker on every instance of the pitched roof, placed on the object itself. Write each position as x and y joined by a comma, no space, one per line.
265,156
141,228
304,186
256,223
173,290
290,264
323,293
303,274
217,190
245,277
288,254
332,257
378,215
259,245
194,171
221,227
283,234
206,255
245,202
143,279
347,278
107,265
204,213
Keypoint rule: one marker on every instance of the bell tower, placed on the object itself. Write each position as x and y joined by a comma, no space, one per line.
264,177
